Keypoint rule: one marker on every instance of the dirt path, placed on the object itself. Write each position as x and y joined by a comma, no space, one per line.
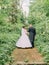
27,55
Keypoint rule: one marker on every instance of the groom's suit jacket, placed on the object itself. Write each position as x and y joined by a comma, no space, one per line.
32,33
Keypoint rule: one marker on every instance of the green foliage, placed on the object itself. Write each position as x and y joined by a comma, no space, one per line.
7,44
9,33
39,17
10,27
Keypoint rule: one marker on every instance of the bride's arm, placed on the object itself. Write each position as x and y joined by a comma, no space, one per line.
27,32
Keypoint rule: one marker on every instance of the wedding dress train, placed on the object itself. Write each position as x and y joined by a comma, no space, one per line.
23,41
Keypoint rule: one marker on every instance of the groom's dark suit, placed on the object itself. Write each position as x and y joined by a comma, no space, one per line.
32,33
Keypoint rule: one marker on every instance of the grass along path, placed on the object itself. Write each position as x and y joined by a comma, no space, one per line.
30,56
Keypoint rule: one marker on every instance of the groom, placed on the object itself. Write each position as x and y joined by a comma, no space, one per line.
32,33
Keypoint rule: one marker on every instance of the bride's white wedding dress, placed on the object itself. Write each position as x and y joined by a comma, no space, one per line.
24,41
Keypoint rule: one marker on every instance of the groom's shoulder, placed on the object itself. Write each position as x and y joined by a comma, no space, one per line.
33,28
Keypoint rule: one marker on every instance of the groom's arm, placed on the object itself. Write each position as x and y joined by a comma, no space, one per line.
29,30
34,31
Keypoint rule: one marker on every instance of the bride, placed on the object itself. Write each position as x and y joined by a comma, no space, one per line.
23,41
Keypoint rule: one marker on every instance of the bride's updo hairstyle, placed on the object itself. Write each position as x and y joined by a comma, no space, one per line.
23,26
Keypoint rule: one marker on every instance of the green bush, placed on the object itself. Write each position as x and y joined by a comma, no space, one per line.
39,17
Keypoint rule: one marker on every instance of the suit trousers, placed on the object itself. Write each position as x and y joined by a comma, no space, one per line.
32,43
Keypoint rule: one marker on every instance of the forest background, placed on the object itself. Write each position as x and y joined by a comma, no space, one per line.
11,21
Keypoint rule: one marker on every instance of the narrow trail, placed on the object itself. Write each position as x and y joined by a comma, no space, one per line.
27,55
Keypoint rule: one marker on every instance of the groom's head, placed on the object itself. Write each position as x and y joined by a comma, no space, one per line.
30,25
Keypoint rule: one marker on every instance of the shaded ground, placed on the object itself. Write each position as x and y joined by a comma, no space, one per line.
27,55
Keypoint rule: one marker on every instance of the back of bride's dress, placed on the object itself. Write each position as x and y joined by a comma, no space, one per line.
24,41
